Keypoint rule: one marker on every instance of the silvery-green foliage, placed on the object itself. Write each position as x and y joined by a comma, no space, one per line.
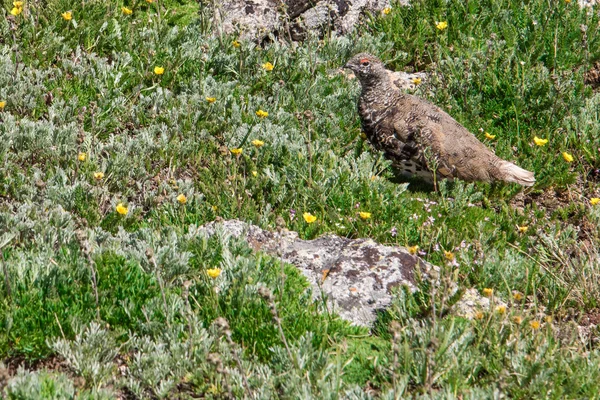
46,224
158,364
91,354
165,246
39,385
358,393
91,88
46,385
4,27
26,140
23,85
584,127
460,196
310,373
581,273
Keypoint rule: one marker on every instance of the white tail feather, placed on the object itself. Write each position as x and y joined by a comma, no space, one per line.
511,173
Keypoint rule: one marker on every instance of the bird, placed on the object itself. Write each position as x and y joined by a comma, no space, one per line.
592,76
420,138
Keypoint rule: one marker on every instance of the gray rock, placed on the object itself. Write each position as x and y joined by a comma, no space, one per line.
252,19
471,303
255,19
356,276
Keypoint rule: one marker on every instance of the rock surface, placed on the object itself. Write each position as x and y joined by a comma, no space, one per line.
356,276
255,19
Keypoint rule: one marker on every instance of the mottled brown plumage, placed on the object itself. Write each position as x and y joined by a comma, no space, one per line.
592,77
419,137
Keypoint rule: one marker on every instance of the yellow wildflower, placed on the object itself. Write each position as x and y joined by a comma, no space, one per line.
490,136
364,215
417,81
522,229
518,296
441,25
594,201
501,309
214,208
149,1
182,199
258,143
567,157
98,175
517,319
387,10
254,173
16,11
487,292
567,1
413,249
268,66
262,114
2,104
534,325
237,151
309,218
478,315
18,4
213,272
121,209
81,156
126,11
67,15
540,142
212,389
211,99
449,255
159,70
236,44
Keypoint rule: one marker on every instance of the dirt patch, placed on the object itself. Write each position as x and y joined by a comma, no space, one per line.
52,363
550,199
591,317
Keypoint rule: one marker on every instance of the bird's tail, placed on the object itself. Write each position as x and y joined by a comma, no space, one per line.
511,173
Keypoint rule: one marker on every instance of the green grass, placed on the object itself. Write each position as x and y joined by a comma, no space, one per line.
504,67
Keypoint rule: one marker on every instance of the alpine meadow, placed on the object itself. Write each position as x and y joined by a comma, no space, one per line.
125,127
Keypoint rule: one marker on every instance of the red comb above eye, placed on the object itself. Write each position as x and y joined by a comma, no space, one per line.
364,60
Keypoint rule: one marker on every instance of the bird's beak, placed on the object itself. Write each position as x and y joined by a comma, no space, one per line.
347,66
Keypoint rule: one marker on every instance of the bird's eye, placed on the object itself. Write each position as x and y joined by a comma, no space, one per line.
364,62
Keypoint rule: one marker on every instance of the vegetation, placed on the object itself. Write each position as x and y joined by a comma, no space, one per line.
125,127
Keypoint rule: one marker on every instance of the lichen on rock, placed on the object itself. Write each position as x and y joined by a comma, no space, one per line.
355,276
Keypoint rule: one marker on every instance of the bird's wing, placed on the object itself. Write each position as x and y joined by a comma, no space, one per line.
406,137
454,150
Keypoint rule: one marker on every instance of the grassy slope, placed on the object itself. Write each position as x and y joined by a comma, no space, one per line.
510,69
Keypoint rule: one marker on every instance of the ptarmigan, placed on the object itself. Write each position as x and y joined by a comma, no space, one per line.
592,77
419,137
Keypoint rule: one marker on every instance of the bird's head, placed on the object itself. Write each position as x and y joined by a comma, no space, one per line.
366,67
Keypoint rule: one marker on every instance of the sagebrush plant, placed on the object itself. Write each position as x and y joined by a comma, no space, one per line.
104,266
